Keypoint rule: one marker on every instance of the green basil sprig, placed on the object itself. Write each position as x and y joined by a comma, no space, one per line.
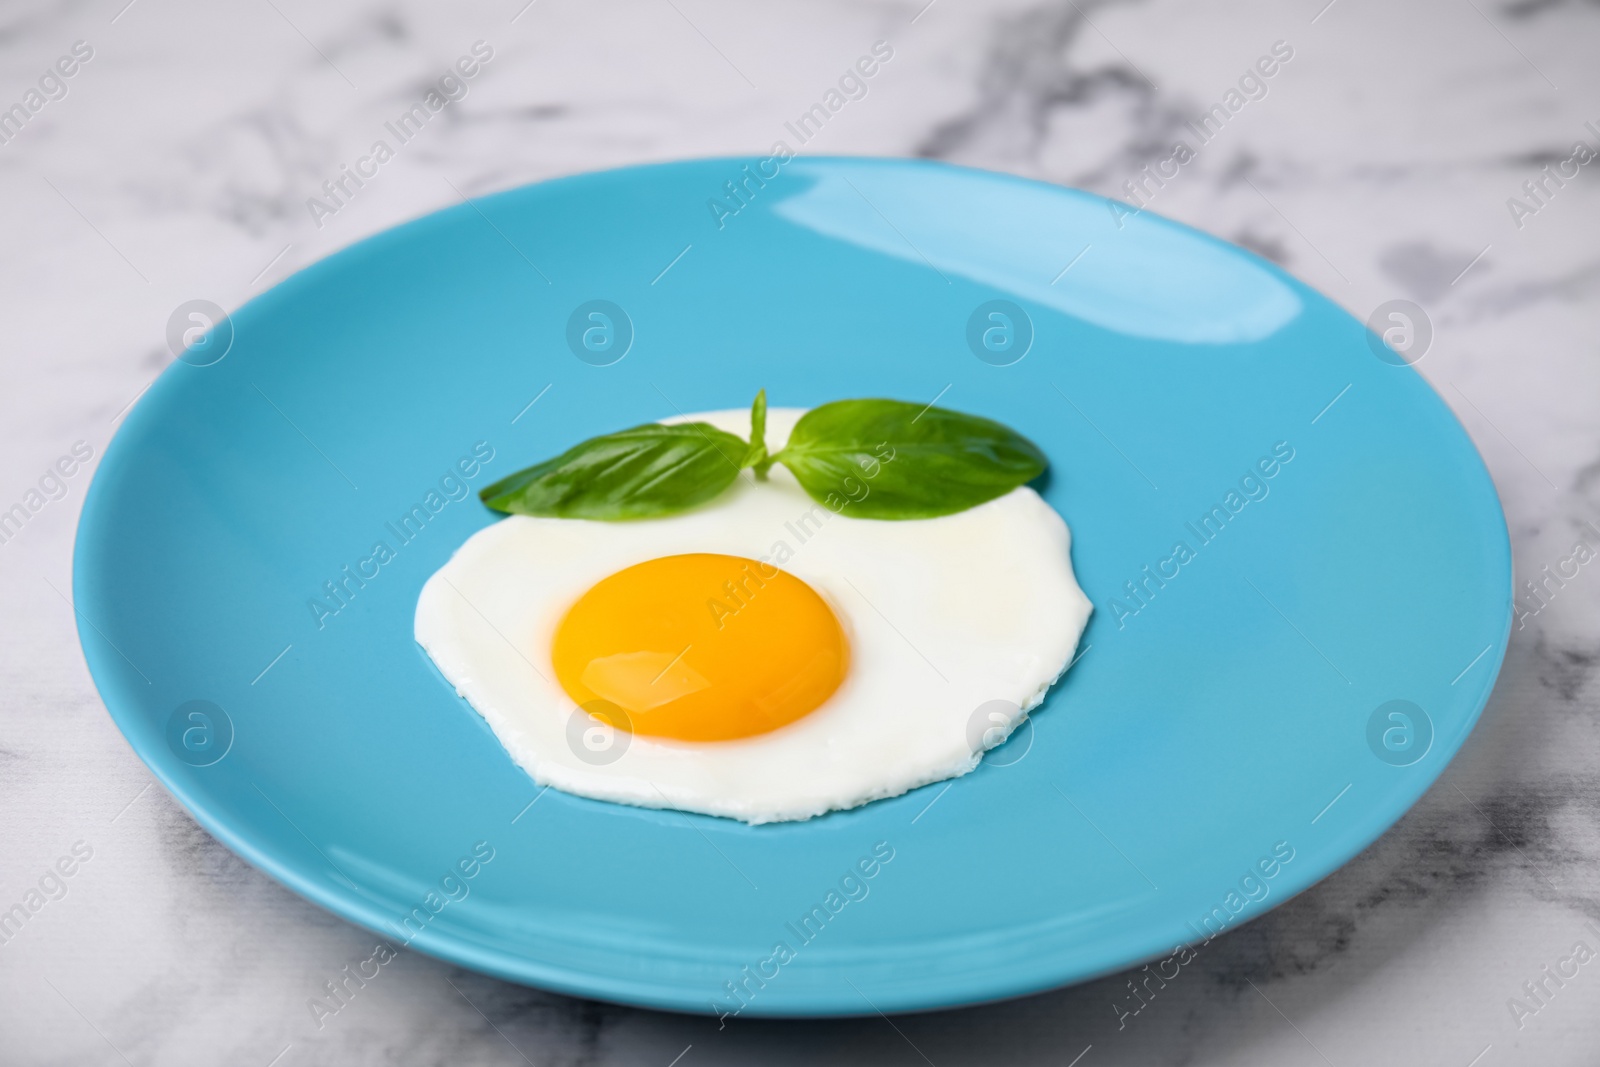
881,459
640,473
916,462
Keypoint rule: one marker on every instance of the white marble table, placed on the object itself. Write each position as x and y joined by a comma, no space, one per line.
1378,165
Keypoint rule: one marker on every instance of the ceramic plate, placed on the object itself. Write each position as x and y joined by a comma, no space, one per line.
1300,572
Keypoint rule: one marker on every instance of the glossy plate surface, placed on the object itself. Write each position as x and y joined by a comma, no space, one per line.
1198,742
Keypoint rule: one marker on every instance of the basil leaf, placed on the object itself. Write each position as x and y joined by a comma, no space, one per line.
757,457
641,473
887,459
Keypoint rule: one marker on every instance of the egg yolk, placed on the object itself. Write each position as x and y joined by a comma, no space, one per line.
700,647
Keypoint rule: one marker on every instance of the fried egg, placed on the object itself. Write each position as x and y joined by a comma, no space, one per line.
762,657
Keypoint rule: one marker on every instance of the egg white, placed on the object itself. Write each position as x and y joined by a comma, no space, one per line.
944,616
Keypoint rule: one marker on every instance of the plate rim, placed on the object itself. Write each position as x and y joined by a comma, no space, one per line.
1025,979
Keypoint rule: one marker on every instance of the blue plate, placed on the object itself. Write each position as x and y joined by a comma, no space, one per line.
1300,571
